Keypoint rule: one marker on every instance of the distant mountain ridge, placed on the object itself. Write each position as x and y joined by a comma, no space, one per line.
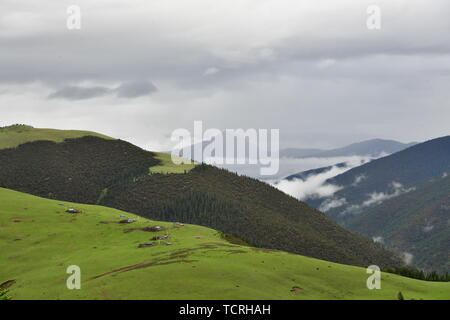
371,148
299,152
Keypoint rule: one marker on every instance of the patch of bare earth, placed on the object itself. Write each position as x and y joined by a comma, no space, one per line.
140,266
7,284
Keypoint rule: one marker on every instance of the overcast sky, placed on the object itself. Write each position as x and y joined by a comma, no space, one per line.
138,70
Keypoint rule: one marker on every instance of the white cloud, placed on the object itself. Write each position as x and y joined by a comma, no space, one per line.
332,203
378,239
210,71
352,209
379,197
376,198
407,257
323,64
315,186
358,180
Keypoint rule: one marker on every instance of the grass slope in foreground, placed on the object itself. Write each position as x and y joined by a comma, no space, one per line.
15,135
39,240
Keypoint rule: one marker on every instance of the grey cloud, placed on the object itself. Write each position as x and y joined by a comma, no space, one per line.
79,93
311,69
281,39
128,90
135,89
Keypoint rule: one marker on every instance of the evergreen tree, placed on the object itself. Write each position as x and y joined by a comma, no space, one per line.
4,295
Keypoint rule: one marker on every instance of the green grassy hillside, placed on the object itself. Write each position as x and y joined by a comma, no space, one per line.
39,240
13,136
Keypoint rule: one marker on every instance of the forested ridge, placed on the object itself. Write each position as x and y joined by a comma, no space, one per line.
76,170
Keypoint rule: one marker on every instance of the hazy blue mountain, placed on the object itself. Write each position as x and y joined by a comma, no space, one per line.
299,153
371,148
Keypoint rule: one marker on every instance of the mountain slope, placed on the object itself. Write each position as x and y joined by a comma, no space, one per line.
395,198
313,172
371,148
12,136
77,170
417,222
388,177
39,240
115,173
254,211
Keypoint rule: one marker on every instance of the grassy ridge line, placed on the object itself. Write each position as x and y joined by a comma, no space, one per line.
13,136
39,241
167,166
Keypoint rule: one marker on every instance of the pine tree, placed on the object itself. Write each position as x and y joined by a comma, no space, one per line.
4,295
